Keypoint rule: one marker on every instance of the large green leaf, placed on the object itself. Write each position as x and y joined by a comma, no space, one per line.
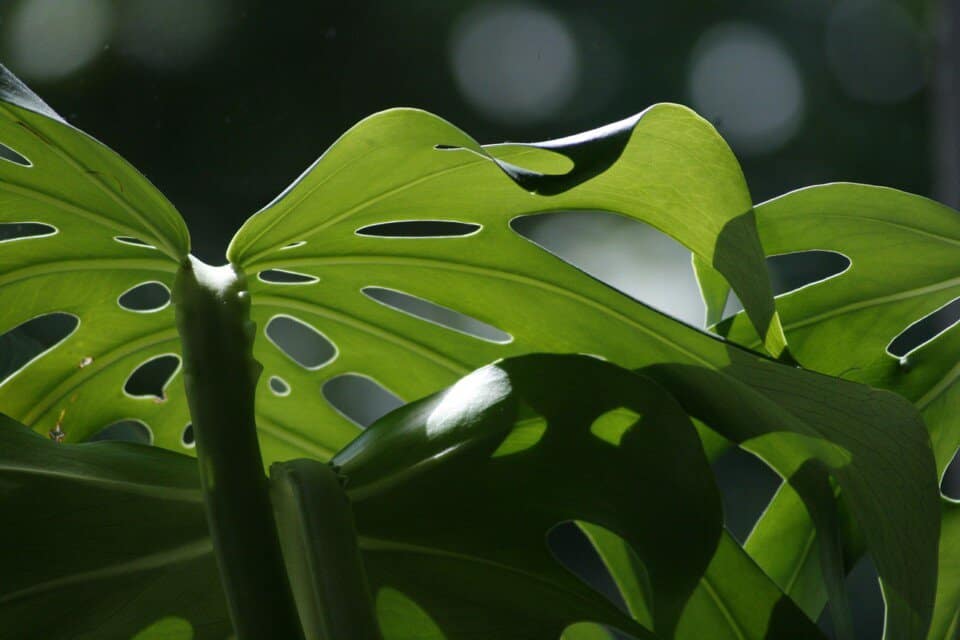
90,197
666,167
103,540
904,251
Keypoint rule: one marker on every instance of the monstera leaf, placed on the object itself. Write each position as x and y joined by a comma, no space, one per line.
903,251
347,238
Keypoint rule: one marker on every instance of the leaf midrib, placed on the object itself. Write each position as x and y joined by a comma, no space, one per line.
149,490
82,264
503,274
380,545
183,553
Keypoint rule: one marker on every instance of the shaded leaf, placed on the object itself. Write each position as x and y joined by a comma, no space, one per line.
437,456
103,540
904,251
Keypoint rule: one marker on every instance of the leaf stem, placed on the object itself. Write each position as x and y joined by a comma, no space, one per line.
320,546
220,375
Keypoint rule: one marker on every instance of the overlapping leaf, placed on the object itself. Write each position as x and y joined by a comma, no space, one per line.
904,252
905,264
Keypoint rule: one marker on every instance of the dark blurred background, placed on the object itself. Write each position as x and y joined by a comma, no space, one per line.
222,103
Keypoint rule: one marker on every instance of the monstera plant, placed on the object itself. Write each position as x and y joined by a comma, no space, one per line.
555,399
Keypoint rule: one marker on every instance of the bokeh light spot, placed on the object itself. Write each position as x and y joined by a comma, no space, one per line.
171,33
875,51
744,80
514,63
50,39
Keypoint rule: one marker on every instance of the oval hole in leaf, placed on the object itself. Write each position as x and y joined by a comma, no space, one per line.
300,341
169,627
396,611
925,329
360,399
571,548
28,341
279,386
628,255
124,431
612,425
950,483
282,276
746,485
136,242
152,377
419,229
436,314
293,245
145,298
11,231
187,438
798,269
524,435
8,154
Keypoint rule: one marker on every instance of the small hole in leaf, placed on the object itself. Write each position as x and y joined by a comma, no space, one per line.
950,483
432,312
146,297
124,431
293,245
360,399
925,329
746,485
570,547
419,229
136,242
613,425
10,231
8,154
300,342
405,618
279,386
30,340
152,377
798,269
282,276
187,438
